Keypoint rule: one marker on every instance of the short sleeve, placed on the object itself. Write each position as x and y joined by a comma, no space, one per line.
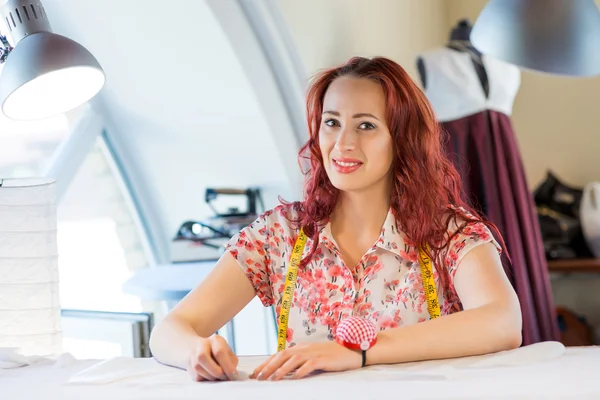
471,236
251,248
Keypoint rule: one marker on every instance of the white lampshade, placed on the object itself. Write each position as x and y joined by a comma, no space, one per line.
29,292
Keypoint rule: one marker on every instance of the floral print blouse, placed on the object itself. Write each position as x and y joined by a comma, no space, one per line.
385,286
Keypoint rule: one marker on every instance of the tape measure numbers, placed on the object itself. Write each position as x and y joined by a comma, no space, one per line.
288,292
433,306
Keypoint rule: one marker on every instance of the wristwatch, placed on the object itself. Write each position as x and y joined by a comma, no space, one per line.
356,333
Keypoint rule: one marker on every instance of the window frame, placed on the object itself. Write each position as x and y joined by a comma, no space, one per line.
138,341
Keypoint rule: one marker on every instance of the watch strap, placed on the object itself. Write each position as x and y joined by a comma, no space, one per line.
364,358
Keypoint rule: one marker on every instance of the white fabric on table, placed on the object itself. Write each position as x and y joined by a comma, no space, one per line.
544,370
139,371
11,358
142,371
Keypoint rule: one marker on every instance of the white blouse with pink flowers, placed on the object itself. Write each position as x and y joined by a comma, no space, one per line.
385,286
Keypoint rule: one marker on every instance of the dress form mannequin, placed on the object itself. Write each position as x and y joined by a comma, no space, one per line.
459,41
472,96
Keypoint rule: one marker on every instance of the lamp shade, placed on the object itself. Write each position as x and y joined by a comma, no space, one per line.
29,292
45,74
559,37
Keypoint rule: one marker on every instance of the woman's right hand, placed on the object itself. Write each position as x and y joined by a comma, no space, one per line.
212,360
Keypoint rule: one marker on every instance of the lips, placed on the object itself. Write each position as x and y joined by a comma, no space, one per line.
346,165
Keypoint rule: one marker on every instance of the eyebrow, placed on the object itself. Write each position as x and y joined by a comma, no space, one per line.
359,115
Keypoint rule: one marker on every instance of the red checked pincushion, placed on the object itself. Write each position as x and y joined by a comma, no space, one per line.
356,333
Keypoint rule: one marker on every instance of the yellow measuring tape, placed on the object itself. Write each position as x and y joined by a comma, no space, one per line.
292,274
433,306
288,292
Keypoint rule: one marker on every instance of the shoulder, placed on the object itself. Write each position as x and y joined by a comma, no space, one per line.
265,236
466,230
277,222
283,215
464,233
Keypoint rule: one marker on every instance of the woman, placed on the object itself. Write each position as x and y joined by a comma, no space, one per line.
378,190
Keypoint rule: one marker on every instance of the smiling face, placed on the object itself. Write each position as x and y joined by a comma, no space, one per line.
354,139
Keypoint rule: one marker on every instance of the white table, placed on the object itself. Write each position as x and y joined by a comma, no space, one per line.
545,370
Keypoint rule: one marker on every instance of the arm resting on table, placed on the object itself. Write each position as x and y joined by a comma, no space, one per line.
223,294
491,320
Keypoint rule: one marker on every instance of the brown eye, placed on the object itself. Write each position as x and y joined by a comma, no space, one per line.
331,122
367,126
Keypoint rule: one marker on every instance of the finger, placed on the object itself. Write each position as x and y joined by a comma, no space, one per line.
258,369
306,369
225,358
290,365
196,372
204,359
276,362
199,374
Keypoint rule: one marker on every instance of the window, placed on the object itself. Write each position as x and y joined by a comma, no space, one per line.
99,249
98,241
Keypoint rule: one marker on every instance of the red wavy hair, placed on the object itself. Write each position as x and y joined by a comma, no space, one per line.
426,191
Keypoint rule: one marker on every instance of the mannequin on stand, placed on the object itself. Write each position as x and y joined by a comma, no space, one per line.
472,96
459,40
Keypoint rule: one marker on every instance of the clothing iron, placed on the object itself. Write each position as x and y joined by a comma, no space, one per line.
205,240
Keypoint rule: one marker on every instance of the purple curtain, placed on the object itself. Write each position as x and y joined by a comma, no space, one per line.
484,149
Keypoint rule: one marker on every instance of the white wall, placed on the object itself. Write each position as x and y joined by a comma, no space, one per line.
328,32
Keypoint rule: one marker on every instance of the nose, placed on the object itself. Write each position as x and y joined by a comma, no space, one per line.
346,140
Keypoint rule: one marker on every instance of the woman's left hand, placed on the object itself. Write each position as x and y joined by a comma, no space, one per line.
307,358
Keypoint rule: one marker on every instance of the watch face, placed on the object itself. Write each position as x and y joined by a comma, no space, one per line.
365,345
